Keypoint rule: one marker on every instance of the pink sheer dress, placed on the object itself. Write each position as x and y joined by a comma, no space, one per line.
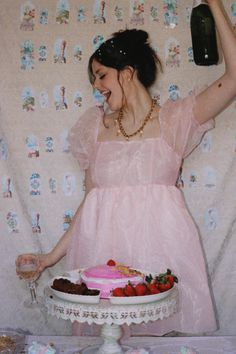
136,215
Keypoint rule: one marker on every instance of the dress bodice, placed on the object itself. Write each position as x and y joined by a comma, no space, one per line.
138,162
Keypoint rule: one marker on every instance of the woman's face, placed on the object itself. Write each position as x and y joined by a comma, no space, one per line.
106,81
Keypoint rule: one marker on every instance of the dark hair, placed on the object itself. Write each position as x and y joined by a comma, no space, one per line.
129,47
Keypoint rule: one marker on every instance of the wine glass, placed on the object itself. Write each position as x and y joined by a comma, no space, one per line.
27,269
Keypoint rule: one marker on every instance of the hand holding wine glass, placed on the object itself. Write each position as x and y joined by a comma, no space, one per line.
27,268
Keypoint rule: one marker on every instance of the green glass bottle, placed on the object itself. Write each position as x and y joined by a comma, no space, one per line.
203,34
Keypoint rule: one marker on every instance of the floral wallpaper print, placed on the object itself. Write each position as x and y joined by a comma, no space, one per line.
44,92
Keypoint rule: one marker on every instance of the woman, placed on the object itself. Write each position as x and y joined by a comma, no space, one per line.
132,211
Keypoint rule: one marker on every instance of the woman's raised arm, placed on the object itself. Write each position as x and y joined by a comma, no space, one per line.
218,95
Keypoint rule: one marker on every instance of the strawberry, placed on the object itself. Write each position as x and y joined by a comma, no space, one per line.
170,278
118,292
141,289
154,281
164,286
149,278
153,288
167,277
166,280
129,290
111,263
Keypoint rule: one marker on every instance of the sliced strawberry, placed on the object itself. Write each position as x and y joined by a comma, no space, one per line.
111,263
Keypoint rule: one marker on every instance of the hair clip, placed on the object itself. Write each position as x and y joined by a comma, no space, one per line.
111,42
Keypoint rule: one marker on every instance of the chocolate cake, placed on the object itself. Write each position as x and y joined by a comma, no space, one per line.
66,286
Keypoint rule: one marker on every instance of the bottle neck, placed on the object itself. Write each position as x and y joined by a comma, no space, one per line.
199,2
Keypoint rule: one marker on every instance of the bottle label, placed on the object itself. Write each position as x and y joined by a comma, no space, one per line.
199,2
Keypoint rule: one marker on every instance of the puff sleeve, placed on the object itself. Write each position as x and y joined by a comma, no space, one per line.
82,136
179,128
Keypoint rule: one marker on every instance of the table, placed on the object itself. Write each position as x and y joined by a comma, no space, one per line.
110,316
154,345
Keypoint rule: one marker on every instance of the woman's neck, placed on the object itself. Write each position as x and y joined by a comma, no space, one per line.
136,107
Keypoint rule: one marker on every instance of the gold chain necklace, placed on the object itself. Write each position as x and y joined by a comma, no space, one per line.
121,129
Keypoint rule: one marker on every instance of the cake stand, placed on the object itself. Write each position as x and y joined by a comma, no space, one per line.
110,316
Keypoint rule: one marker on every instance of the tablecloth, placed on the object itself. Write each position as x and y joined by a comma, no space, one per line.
154,345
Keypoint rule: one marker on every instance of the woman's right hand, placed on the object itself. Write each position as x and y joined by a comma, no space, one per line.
45,260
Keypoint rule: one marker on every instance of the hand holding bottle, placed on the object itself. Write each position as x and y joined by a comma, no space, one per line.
203,33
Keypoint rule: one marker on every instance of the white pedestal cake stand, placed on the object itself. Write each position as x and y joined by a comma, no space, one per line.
110,316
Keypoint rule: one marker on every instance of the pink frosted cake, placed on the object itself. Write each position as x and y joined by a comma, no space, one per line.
107,277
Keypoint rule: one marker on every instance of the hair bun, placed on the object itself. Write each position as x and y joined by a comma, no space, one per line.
132,37
129,47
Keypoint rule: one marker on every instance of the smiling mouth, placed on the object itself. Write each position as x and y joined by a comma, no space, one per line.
106,94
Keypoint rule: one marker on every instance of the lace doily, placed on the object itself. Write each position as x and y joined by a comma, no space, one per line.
106,313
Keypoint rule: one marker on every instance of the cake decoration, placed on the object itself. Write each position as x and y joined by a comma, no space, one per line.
111,263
